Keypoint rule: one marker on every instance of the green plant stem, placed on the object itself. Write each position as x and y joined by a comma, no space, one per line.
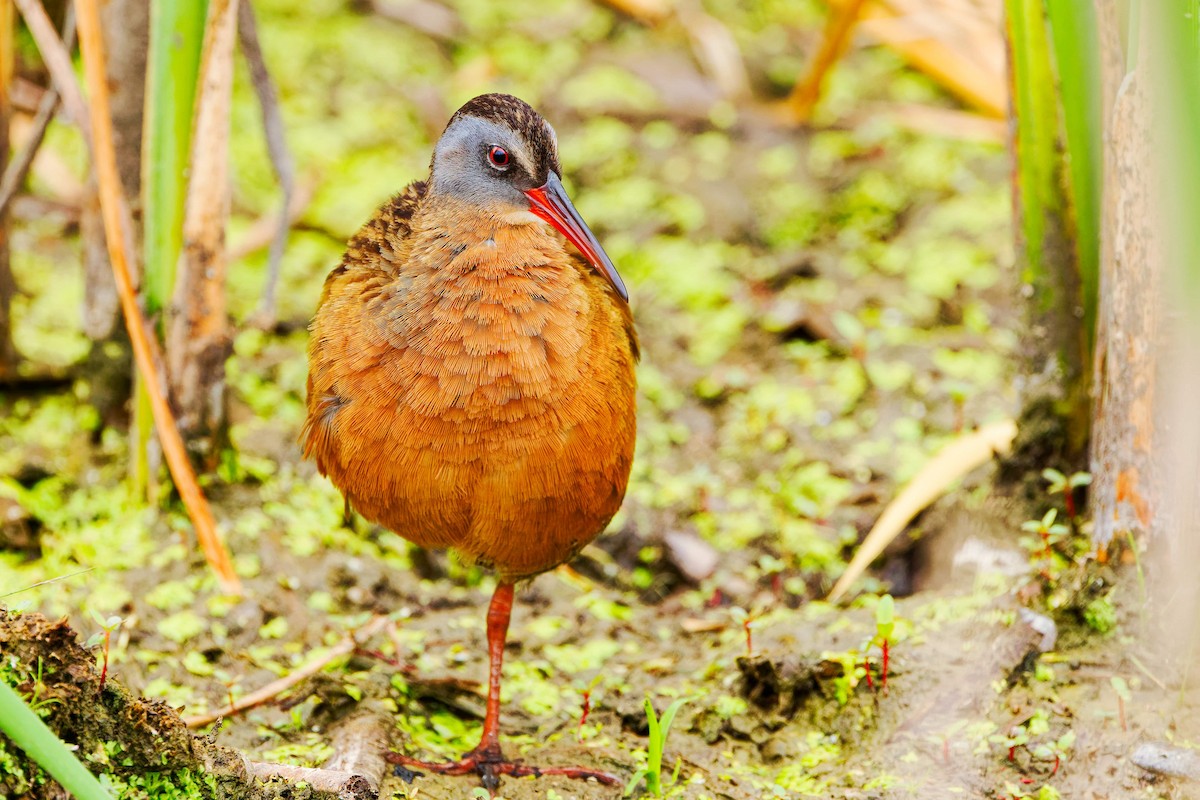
176,37
654,752
1048,253
28,732
1076,43
172,71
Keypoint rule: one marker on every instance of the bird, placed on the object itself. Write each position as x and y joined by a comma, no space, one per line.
472,376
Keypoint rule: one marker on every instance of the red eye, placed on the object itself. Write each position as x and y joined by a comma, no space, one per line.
498,156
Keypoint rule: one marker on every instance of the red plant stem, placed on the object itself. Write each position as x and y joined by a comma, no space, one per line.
586,709
1054,771
749,644
884,674
104,668
867,667
1069,496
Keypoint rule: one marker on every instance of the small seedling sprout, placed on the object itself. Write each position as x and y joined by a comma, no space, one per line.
1123,696
103,638
660,728
585,705
1048,530
885,626
1060,483
747,620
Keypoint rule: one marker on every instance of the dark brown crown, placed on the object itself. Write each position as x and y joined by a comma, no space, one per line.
520,117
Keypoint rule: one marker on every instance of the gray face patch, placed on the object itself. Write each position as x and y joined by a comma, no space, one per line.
461,168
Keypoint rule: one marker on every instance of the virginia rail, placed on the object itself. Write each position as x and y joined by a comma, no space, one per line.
471,378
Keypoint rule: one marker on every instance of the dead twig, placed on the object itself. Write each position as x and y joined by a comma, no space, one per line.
269,692
18,168
118,234
281,157
647,12
345,785
359,743
954,461
262,231
57,57
841,23
958,43
716,50
425,16
948,123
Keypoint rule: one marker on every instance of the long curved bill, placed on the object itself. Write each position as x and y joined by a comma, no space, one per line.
550,202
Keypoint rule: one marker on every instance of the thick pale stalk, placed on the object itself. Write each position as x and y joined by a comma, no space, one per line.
1125,488
198,335
120,246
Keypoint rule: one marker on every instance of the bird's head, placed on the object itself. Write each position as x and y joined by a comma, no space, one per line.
500,154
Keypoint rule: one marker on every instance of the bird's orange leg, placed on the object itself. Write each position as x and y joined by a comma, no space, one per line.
486,758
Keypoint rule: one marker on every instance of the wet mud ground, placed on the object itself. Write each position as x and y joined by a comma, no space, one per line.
820,310
764,722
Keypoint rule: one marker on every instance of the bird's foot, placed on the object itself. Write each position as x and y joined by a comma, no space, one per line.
489,763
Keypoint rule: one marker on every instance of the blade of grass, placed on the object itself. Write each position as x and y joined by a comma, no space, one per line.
1076,47
120,248
28,732
176,36
1046,249
1036,112
172,72
654,751
1182,105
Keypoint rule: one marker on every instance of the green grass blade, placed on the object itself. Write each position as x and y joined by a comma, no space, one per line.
28,732
1076,43
1047,253
176,37
1036,109
1180,100
172,71
654,751
668,717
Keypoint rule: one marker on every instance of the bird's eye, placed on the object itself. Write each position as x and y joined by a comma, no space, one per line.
498,156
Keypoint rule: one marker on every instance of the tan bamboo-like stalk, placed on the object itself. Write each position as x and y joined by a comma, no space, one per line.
118,234
842,19
198,335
